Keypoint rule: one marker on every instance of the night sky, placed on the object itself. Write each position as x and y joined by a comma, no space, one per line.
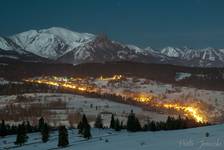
155,23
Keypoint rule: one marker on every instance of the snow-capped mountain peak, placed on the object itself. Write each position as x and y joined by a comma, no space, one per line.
137,49
149,49
50,43
172,52
65,46
68,36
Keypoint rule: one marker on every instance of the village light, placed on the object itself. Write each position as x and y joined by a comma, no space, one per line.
190,111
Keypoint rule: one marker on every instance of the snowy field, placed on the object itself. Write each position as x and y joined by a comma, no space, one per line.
188,139
210,102
77,105
61,108
213,100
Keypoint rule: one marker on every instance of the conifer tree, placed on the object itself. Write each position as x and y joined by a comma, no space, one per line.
112,122
84,127
98,122
86,132
45,133
133,123
3,130
21,135
122,125
137,125
29,127
63,137
179,124
41,123
80,127
153,126
170,123
117,125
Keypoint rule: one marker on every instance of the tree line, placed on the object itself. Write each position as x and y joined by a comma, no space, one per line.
84,128
24,128
133,124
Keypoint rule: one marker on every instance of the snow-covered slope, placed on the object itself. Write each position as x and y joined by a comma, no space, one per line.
11,51
5,45
188,139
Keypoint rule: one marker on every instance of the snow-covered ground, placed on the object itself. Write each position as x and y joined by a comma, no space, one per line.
76,105
211,101
4,81
188,139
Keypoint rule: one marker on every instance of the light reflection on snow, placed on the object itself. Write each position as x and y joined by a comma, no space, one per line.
189,110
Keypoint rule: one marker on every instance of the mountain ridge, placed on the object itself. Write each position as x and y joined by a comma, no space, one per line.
65,46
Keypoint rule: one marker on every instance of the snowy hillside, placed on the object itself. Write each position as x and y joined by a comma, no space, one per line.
188,139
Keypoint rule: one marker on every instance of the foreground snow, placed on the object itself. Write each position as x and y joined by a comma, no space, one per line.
189,139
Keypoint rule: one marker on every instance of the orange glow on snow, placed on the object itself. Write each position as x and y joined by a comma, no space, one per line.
189,110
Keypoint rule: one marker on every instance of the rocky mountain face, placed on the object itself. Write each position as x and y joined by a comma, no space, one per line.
64,46
101,49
